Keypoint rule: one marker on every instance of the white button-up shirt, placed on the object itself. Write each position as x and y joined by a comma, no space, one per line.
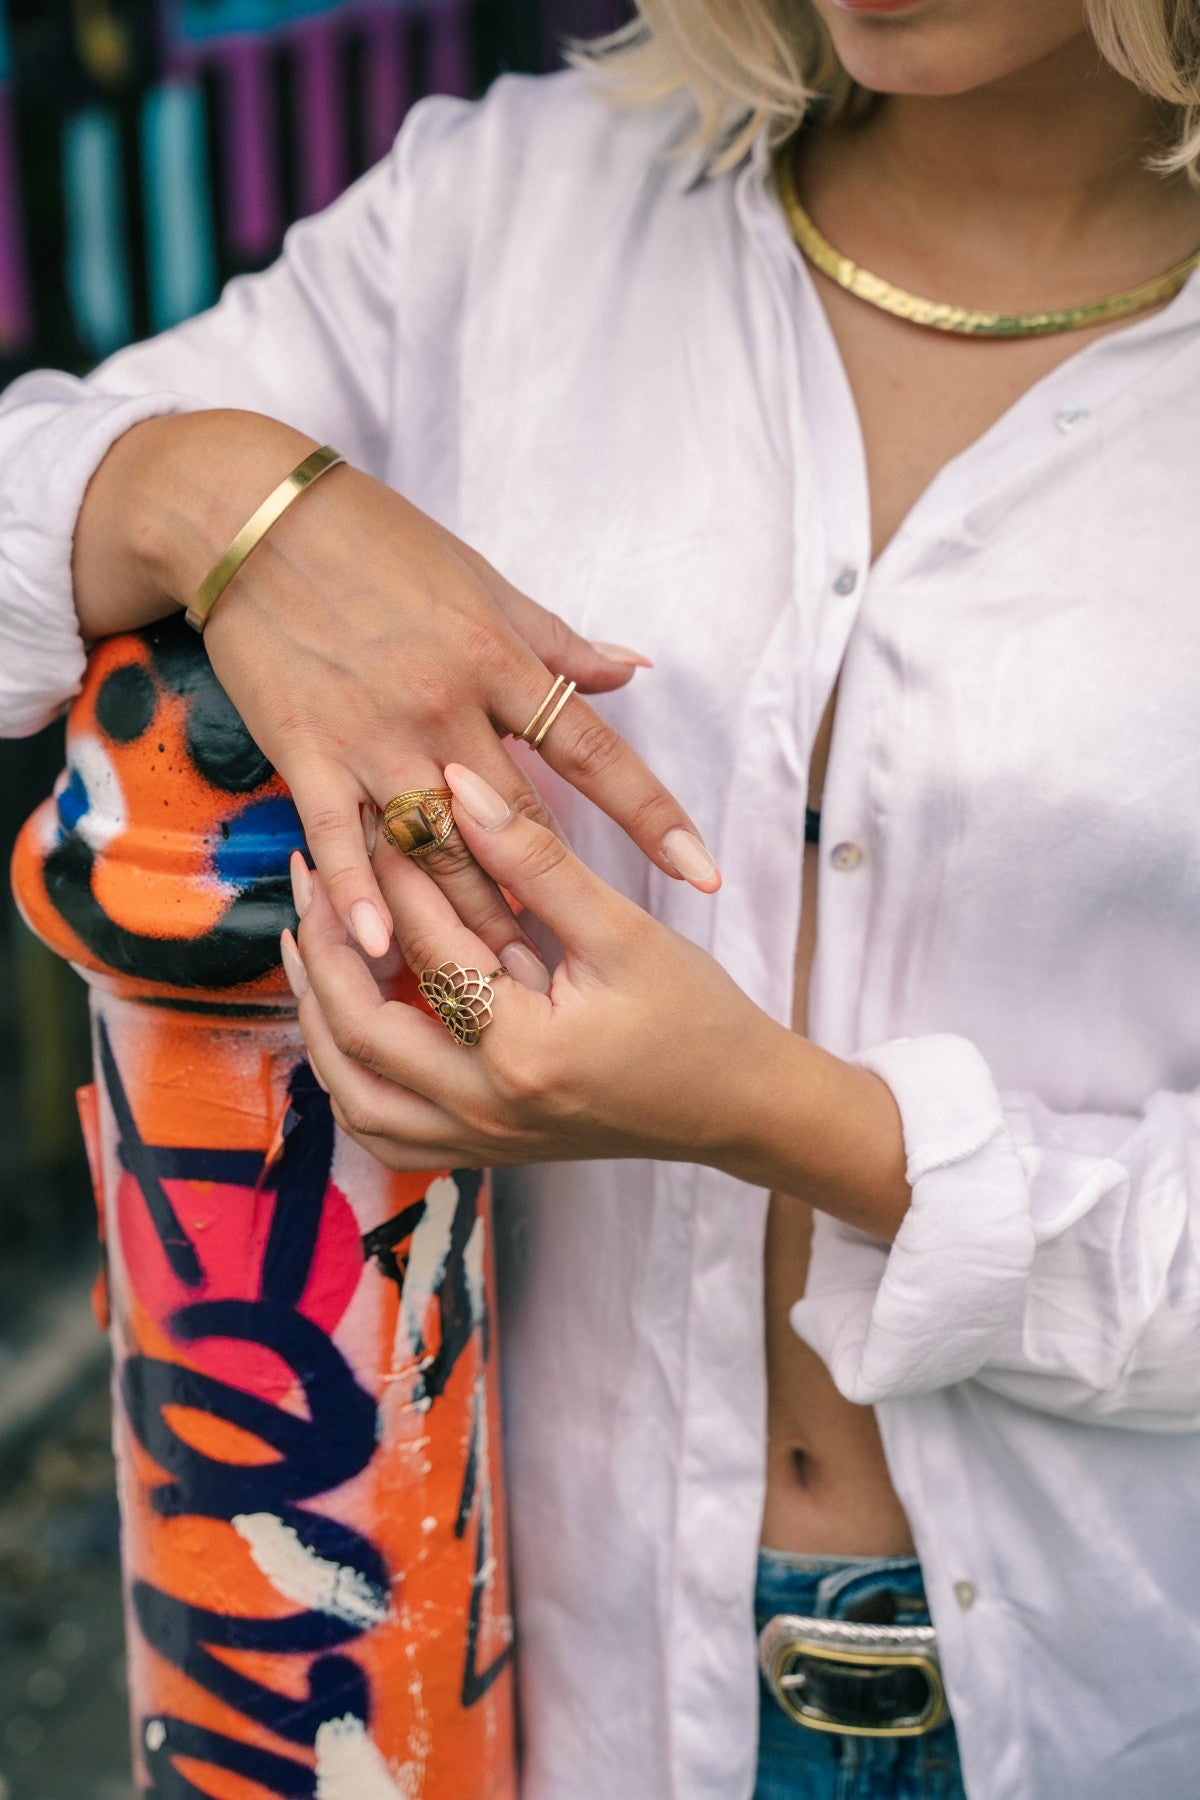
616,380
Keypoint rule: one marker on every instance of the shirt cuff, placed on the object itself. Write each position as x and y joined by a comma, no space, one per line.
892,1322
57,436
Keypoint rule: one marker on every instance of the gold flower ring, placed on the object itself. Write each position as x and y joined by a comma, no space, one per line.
419,821
461,998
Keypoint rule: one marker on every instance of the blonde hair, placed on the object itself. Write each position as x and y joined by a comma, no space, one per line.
749,64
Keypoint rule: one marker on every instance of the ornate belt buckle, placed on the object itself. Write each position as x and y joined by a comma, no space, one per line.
789,1642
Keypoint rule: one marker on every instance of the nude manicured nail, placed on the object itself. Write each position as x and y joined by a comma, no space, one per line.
370,825
481,802
689,858
369,928
302,888
293,967
621,653
525,966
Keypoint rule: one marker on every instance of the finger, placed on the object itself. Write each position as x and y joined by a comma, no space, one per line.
370,1105
403,1157
403,1044
430,934
589,753
595,668
537,868
471,892
328,798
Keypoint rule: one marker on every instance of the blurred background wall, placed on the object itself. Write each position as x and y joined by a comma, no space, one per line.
149,149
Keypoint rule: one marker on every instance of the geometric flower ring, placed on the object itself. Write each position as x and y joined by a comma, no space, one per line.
461,998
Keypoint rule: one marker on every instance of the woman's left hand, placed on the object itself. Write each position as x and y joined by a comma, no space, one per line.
639,1048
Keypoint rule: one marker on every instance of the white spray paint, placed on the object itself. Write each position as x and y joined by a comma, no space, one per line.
312,1581
350,1767
427,1256
106,816
473,1265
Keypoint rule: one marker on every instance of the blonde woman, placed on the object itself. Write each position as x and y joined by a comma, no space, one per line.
843,361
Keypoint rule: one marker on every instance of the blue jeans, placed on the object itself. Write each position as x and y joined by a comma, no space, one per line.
797,1763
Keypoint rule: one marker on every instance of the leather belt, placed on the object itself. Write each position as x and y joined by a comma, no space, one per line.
859,1680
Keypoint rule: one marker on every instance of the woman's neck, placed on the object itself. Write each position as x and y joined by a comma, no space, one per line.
1046,169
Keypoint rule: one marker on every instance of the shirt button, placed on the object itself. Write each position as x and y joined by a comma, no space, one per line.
1068,417
964,1593
846,856
845,581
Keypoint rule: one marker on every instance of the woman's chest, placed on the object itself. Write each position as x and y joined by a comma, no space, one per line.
924,397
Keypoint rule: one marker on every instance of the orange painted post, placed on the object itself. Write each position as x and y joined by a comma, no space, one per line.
307,1415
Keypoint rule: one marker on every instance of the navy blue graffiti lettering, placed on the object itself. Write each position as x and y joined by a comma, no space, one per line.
477,1681
390,1244
316,1454
166,1738
298,1179
177,1246
312,1454
186,1636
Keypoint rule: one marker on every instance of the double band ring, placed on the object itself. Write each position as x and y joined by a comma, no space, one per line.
461,998
548,711
419,821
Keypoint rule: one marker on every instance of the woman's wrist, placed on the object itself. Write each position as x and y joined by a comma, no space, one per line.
807,1123
163,506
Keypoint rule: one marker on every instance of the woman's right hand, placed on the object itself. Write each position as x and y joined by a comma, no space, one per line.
365,647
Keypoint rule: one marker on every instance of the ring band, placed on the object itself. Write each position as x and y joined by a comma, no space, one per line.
547,712
461,998
419,821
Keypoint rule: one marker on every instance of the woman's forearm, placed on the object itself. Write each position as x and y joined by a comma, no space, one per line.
163,505
809,1124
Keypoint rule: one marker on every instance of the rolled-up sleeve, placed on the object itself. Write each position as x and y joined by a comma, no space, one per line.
54,434
1054,1257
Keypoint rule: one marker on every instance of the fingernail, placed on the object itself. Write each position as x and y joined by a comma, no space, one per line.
302,889
369,928
620,653
293,967
481,802
525,966
689,858
370,825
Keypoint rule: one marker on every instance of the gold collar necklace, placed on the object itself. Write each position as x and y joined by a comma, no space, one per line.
962,320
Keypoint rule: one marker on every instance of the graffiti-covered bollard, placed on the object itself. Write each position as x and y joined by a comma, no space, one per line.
306,1418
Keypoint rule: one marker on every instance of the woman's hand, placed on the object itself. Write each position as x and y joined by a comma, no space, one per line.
362,644
643,1047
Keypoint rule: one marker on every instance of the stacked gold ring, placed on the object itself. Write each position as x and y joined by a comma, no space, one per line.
548,711
419,821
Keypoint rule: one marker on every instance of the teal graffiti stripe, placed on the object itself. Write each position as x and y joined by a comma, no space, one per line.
180,252
195,21
97,265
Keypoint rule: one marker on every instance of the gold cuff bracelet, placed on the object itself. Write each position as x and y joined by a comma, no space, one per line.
255,530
